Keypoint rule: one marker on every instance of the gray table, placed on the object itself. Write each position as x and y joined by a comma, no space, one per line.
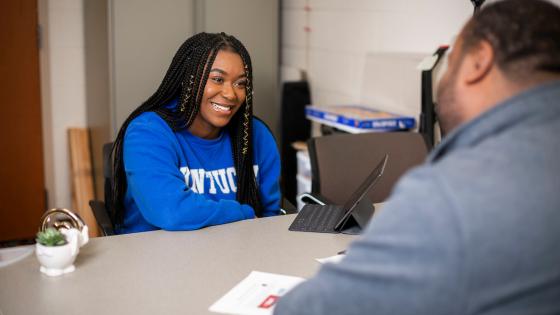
165,272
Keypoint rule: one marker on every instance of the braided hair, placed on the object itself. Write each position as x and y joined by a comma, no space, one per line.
185,80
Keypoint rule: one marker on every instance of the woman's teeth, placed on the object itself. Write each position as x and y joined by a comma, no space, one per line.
221,108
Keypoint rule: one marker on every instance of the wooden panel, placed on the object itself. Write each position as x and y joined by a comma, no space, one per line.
82,176
22,192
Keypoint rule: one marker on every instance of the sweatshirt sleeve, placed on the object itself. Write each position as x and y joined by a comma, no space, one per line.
268,160
158,186
408,261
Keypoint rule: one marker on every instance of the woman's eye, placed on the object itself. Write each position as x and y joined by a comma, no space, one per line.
217,79
240,83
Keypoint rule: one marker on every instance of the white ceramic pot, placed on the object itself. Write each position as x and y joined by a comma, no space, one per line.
58,260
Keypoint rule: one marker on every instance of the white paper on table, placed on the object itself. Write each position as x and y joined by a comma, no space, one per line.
256,294
332,259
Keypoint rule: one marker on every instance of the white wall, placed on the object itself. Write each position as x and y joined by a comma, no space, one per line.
341,34
144,36
62,88
260,35
98,114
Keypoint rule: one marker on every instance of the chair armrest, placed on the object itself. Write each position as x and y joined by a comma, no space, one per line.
102,217
287,207
313,198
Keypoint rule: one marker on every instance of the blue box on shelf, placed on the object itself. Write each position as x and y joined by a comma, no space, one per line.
358,119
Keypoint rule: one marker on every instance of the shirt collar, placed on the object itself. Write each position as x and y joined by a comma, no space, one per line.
538,101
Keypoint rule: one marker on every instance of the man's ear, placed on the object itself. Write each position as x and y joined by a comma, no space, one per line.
478,62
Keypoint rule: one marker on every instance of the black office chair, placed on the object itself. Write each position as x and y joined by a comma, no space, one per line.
286,207
101,210
340,162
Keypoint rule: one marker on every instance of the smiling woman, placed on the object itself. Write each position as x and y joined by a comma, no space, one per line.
192,155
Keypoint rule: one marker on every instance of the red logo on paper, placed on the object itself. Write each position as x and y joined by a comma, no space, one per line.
269,301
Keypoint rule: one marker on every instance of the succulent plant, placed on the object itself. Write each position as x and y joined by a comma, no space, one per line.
51,237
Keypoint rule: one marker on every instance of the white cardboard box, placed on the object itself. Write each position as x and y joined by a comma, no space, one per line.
303,163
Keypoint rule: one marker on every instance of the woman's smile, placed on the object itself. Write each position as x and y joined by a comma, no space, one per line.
222,108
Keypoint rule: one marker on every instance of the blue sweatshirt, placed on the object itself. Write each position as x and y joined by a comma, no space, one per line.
177,181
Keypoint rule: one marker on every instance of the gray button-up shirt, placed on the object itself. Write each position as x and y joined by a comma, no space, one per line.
475,230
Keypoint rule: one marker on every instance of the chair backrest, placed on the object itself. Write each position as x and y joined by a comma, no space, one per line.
108,172
339,163
102,209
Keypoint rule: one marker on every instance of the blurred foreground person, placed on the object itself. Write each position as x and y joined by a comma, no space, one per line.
475,230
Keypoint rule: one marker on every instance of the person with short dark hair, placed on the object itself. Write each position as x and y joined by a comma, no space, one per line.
193,155
475,229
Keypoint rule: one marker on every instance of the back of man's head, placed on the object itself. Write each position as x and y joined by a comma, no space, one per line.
524,34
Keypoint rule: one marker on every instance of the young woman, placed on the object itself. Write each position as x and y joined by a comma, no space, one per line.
192,155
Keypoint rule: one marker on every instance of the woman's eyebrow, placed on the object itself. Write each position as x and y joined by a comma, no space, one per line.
225,72
218,70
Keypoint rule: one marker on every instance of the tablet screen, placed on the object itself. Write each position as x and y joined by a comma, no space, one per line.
362,190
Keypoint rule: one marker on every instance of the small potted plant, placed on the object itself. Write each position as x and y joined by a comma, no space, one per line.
51,237
56,252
